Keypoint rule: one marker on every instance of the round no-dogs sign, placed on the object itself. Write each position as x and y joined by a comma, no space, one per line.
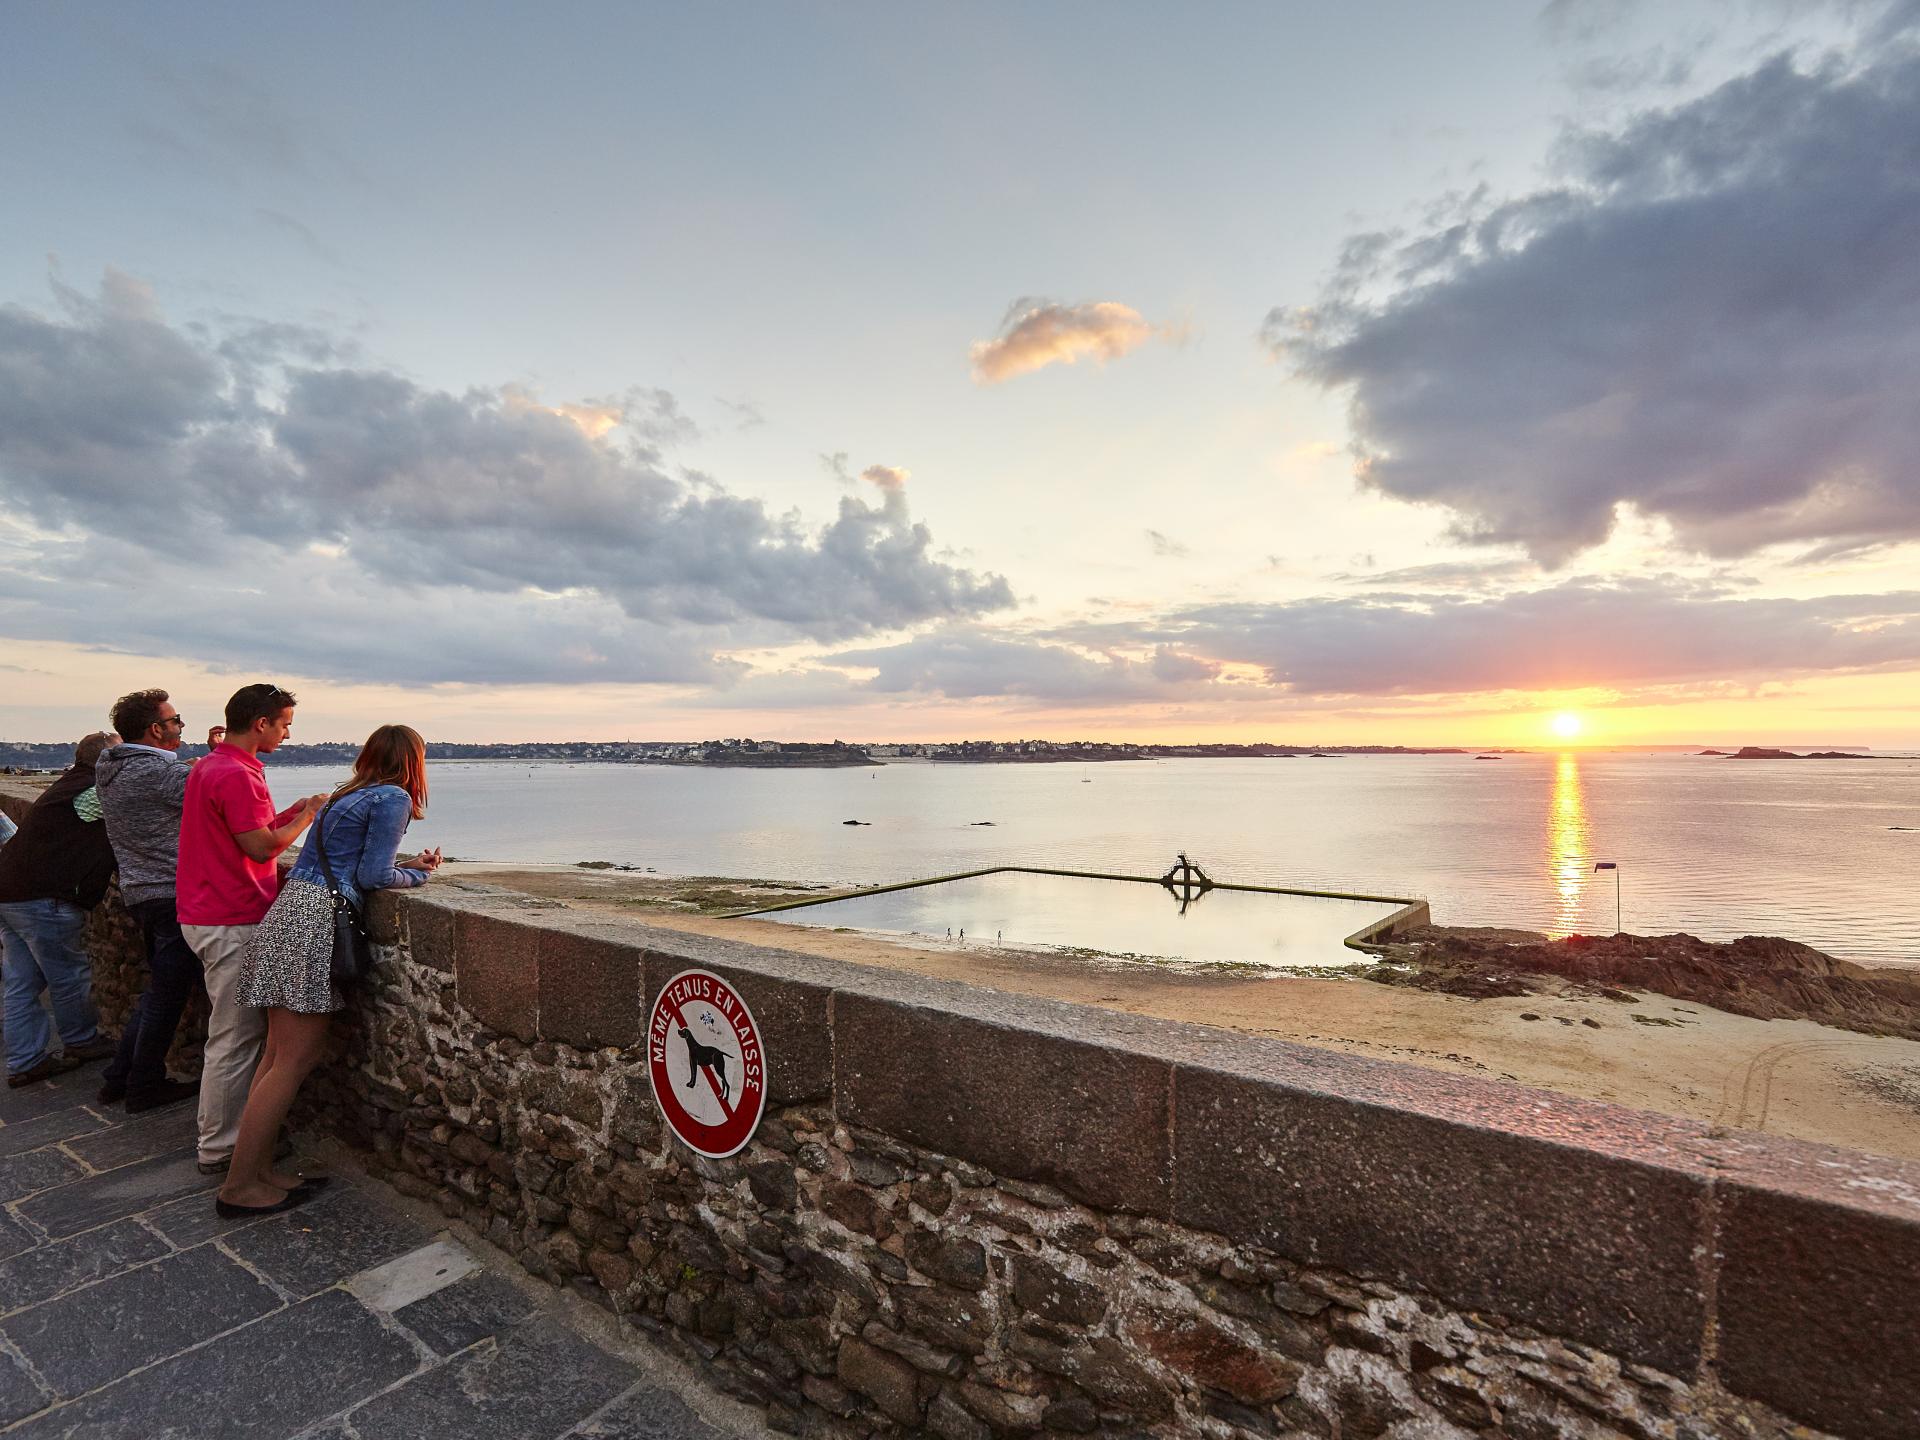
704,1057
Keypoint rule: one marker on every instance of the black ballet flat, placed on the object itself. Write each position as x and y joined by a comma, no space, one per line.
311,1185
227,1210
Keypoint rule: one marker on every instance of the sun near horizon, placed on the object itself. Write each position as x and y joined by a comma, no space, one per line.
1566,725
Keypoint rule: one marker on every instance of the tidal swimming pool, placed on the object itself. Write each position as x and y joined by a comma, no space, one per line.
1124,917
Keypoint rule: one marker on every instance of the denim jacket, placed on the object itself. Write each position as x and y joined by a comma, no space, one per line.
362,834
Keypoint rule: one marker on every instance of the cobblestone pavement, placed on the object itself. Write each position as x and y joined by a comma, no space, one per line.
128,1309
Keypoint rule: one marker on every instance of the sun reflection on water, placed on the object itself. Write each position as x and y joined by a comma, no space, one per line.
1569,850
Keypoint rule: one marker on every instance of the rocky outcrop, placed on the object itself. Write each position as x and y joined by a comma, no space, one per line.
1761,752
1758,975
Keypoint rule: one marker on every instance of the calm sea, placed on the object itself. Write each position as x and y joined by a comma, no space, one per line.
1720,848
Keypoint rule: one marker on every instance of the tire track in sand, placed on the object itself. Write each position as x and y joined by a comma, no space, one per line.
1746,1091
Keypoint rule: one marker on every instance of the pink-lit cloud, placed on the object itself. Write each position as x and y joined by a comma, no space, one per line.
1037,334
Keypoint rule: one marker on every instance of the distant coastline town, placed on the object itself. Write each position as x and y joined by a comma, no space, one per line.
791,754
772,754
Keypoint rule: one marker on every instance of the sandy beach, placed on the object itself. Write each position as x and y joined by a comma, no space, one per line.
1785,1077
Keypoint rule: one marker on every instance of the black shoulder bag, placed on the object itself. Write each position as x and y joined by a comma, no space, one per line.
352,945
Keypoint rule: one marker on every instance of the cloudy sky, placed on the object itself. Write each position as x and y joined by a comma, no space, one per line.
1388,372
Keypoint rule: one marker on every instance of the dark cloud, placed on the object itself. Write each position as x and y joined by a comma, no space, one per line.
243,451
1714,319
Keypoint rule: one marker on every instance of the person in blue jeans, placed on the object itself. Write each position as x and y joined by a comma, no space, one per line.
51,874
287,969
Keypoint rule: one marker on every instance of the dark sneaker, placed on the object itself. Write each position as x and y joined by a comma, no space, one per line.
45,1069
98,1048
167,1092
111,1093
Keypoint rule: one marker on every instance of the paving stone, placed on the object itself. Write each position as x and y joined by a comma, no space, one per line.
467,1310
414,1276
172,1131
263,1382
85,1339
48,1129
75,1088
36,1170
648,1412
55,1269
324,1242
129,1190
191,1219
14,1236
538,1380
19,1396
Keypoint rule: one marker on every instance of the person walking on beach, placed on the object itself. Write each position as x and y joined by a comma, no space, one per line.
51,874
143,786
229,836
288,965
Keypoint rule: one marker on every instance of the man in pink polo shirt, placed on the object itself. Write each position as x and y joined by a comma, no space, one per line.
229,836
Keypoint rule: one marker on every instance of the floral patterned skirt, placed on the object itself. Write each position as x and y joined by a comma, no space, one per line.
289,957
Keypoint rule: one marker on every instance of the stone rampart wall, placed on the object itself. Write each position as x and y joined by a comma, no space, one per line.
970,1214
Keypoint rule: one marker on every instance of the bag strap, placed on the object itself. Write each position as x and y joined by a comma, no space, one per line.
326,866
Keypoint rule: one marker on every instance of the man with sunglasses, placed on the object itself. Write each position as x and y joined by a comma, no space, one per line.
229,838
143,785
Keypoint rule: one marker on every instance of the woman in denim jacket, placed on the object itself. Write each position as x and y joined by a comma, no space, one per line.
289,960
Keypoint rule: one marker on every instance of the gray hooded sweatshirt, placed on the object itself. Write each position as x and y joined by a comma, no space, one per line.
141,793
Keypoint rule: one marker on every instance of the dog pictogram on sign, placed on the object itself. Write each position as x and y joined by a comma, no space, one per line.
706,1062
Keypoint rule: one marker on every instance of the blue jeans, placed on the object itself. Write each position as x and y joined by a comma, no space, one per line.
44,951
141,1064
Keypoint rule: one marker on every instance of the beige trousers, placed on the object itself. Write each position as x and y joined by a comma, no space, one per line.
236,1034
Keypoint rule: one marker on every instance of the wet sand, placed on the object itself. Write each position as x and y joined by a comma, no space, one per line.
1782,1076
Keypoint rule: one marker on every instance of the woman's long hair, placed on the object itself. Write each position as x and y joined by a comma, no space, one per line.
393,755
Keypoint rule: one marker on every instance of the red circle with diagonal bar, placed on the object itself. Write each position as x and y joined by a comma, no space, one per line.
706,1062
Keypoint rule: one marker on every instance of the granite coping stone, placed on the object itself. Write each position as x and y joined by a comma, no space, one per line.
590,989
1819,1257
1091,1119
496,968
1581,1242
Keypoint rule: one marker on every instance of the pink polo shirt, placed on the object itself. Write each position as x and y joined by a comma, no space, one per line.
217,884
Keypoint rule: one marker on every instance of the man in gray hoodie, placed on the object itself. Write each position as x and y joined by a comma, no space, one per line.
142,782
